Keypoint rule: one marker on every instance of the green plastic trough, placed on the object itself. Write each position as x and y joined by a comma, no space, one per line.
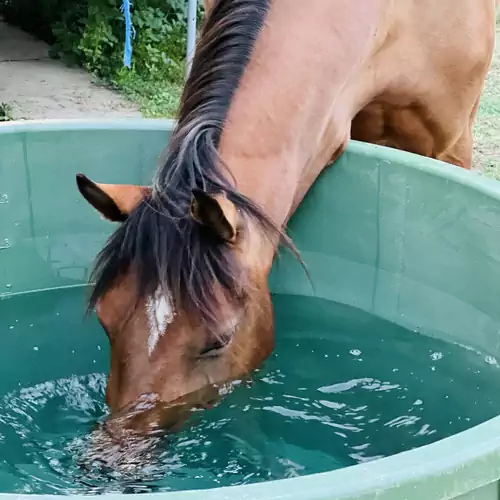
411,240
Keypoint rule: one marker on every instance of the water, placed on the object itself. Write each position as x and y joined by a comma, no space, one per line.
342,388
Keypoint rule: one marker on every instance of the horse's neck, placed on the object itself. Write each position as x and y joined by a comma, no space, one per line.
293,107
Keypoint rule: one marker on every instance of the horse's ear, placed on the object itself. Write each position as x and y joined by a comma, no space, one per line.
114,201
215,212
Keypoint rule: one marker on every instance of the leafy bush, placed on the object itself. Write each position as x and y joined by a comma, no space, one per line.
91,33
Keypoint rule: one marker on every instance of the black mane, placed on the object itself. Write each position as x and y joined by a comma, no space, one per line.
160,240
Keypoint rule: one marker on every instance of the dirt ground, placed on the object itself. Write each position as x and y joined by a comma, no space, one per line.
37,87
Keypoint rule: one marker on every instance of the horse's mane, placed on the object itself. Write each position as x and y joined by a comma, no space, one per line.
159,240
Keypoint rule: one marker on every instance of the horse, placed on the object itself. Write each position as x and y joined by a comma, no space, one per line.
275,92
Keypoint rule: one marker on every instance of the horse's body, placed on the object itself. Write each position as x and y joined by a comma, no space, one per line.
276,90
401,73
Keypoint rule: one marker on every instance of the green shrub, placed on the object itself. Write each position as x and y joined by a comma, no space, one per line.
5,112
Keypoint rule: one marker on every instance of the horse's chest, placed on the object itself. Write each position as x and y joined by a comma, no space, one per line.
406,127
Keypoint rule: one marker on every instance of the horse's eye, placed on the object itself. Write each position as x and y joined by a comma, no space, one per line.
215,346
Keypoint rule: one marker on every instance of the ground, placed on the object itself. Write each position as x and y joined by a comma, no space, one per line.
487,127
36,87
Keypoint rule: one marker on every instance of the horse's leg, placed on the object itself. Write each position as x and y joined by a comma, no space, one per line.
460,153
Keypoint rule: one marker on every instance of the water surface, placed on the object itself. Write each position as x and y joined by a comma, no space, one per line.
341,388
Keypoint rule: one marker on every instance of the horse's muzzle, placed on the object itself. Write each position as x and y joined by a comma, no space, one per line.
128,440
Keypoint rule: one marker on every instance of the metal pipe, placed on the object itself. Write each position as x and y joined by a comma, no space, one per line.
191,33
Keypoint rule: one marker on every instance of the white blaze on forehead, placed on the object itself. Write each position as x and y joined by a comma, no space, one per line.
160,314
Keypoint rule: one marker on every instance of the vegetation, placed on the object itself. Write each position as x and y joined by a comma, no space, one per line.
91,34
5,112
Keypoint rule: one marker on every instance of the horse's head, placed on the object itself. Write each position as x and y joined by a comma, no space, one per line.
181,291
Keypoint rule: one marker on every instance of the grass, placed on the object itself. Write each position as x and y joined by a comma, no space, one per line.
157,98
487,125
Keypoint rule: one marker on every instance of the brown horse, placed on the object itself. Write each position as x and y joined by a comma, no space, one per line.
277,89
